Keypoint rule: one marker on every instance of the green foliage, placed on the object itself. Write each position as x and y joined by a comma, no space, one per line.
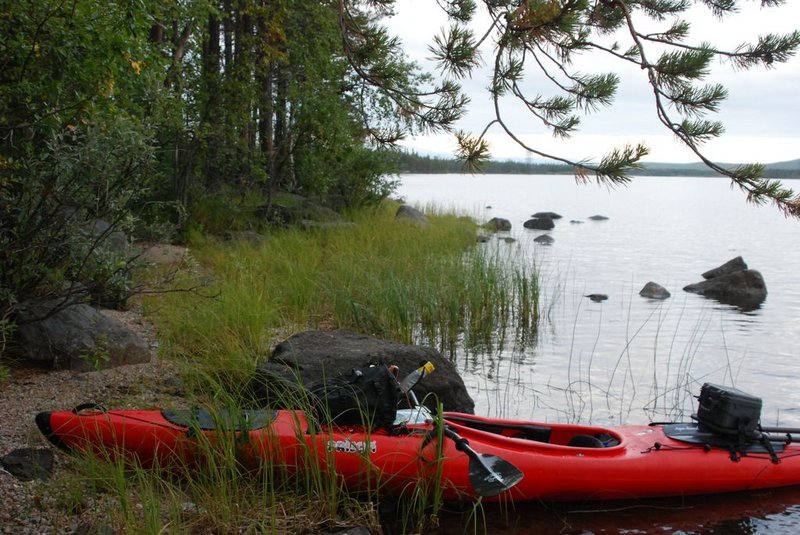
52,235
391,96
74,149
474,151
227,210
411,162
98,356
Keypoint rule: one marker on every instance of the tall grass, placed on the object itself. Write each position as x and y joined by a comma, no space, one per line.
429,285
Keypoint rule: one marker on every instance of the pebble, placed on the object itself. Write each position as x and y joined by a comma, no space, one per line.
32,507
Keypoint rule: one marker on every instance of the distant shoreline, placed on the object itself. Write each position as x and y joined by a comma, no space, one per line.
412,163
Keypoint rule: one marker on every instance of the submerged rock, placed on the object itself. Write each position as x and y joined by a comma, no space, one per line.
544,239
597,298
598,218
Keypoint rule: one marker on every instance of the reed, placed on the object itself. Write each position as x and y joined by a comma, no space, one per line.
430,285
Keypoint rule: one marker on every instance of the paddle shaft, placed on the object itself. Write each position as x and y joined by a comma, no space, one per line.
795,430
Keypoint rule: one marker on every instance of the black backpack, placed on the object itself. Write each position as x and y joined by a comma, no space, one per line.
365,396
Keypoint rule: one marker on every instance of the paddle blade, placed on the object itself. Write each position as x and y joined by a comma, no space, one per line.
490,475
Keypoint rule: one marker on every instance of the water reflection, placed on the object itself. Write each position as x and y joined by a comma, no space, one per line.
752,513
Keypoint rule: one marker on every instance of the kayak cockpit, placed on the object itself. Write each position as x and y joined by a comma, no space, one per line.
220,420
575,436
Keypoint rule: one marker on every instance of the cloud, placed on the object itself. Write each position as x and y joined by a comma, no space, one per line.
761,115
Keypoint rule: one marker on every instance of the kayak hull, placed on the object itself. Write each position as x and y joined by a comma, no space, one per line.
634,462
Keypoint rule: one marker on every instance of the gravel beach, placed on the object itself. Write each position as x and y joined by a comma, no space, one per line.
32,507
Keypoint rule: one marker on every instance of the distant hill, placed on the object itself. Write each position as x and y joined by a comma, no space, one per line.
789,169
791,164
416,163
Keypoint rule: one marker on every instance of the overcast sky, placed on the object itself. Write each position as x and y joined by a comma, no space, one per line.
761,114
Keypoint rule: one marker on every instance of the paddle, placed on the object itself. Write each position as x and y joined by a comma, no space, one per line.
489,474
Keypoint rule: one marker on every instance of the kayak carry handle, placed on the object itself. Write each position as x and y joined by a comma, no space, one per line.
90,408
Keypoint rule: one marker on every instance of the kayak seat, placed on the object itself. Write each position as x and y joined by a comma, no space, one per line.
536,433
585,441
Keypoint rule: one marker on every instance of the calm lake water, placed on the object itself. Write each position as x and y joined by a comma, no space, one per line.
630,359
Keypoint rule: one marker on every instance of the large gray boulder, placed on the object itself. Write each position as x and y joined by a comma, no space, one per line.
78,337
309,357
745,289
109,237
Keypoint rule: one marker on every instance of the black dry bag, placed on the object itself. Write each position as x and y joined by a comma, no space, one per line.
365,396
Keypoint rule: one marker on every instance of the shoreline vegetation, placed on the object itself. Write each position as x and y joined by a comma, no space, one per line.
413,163
428,285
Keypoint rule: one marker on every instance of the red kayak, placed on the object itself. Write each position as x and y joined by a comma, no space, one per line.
497,459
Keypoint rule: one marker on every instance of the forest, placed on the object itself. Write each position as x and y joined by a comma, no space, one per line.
121,116
125,117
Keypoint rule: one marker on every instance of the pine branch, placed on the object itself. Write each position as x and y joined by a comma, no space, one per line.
456,51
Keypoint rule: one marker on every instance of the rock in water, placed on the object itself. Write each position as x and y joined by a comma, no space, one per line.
551,215
497,224
744,289
654,290
539,223
731,266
